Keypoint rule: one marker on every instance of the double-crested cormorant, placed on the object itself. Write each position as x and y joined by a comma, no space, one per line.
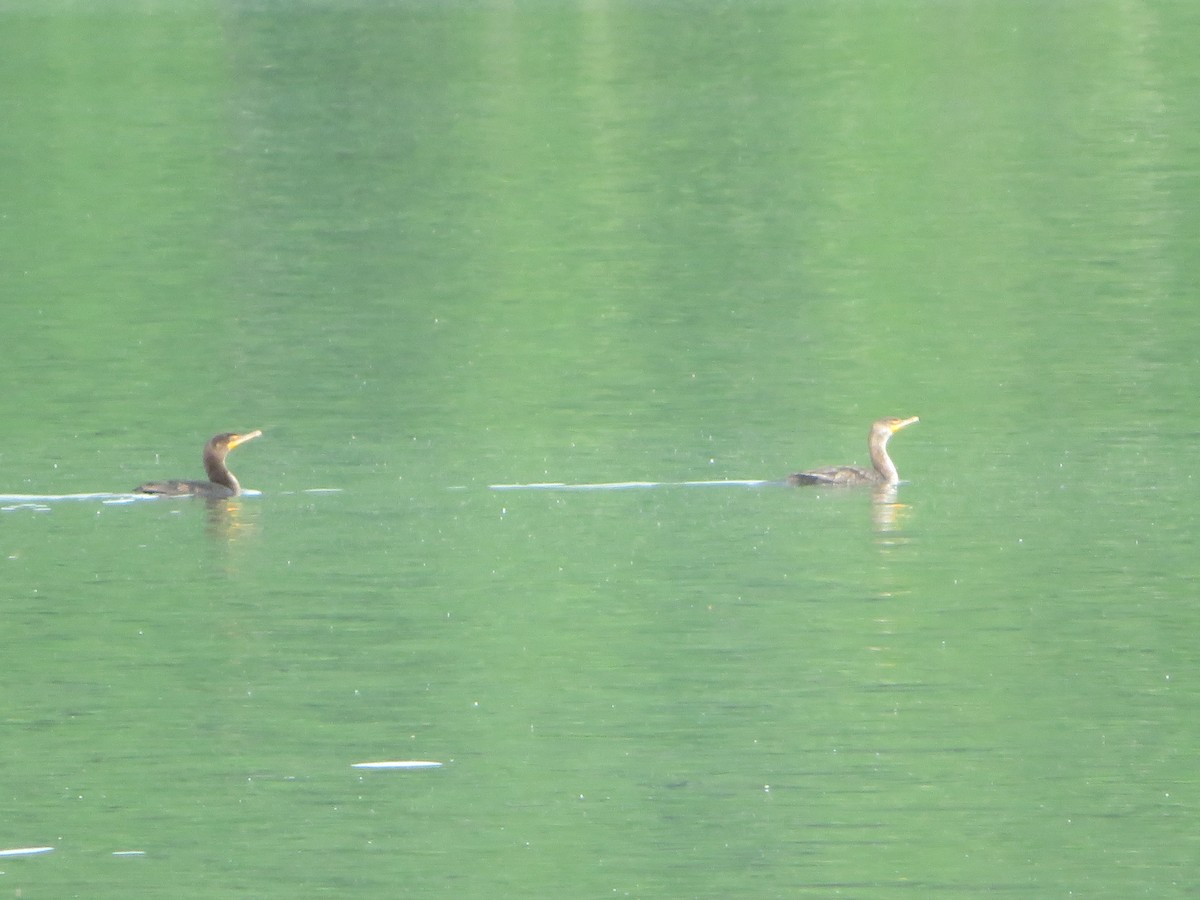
221,482
885,469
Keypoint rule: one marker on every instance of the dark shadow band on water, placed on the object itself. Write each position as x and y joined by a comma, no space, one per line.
628,485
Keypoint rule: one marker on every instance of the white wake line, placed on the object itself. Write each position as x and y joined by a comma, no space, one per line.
131,497
46,498
25,851
625,485
102,496
399,764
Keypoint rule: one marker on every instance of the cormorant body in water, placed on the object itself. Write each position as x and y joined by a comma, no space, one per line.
221,482
885,469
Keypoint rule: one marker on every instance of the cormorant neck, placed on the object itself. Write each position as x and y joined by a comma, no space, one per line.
880,459
218,472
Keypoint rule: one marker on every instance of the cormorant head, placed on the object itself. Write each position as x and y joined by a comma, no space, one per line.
885,428
223,443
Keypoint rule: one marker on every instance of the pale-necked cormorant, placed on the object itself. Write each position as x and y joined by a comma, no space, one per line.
885,469
221,482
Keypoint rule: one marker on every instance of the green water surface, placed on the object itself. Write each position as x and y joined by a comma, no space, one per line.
433,247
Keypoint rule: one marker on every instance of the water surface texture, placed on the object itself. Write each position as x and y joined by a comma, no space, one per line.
433,248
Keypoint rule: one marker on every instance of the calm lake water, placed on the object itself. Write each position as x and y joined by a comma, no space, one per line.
432,248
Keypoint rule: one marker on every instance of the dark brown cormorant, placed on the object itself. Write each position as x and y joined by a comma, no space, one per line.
221,482
885,469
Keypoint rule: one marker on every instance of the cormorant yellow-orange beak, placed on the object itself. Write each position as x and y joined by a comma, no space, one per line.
239,439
